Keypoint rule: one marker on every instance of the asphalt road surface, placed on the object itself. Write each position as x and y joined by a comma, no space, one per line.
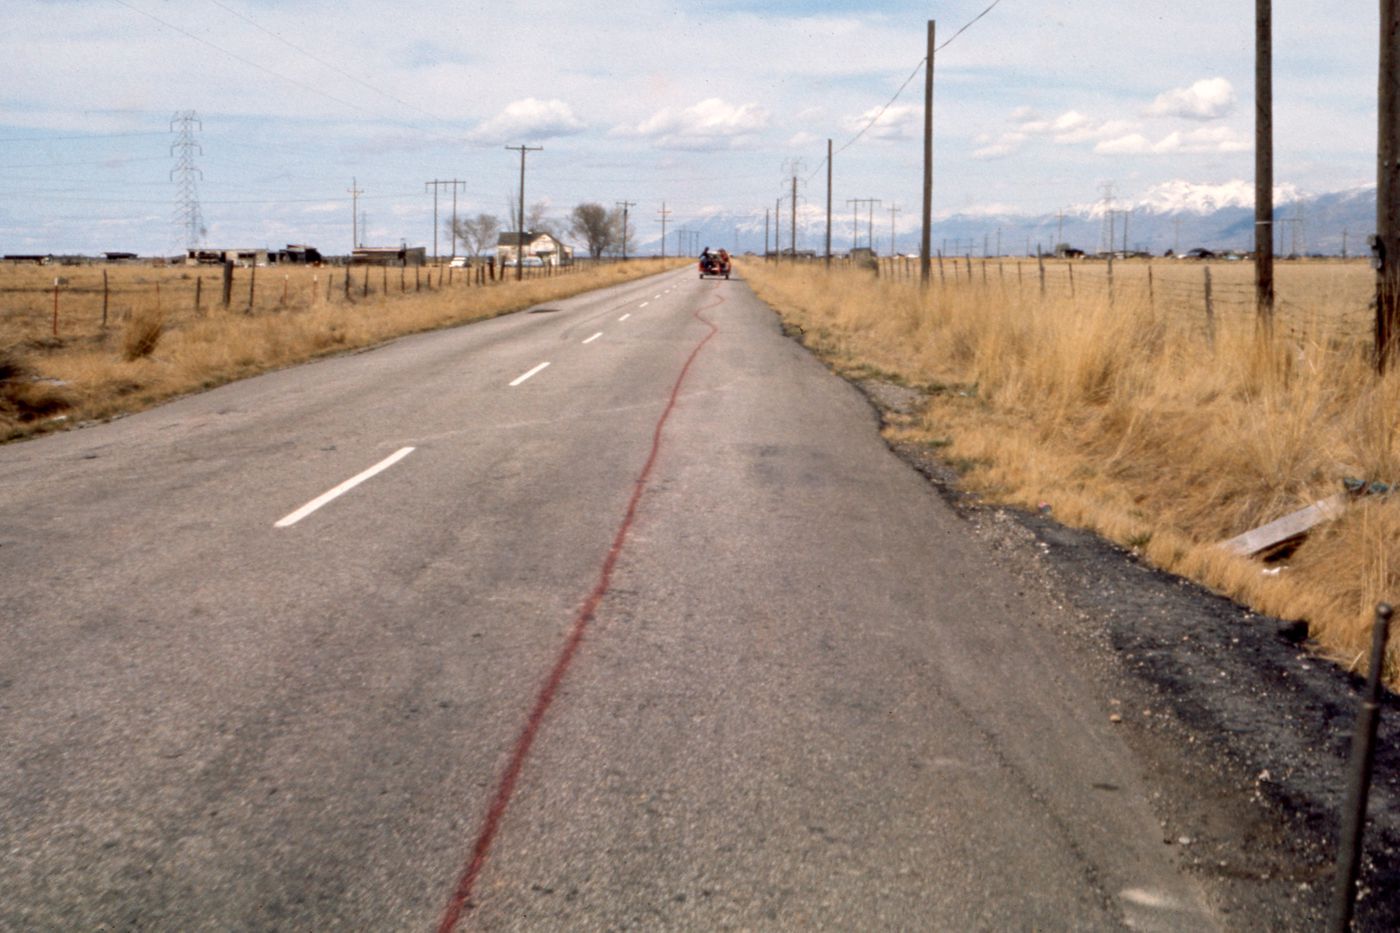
657,636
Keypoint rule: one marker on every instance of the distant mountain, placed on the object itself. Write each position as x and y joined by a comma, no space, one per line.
1176,215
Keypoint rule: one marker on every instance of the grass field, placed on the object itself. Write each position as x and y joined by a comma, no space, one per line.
167,333
1140,416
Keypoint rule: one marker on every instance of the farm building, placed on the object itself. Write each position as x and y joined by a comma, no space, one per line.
296,253
389,256
215,257
544,245
119,256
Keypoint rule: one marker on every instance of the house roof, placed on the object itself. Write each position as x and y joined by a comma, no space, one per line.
512,238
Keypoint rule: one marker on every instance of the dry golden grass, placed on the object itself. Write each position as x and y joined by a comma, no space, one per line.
1142,420
156,345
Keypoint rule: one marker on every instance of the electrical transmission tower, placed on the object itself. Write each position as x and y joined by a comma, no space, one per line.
186,176
1108,217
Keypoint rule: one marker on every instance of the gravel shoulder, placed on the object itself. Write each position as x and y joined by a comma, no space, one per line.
1245,731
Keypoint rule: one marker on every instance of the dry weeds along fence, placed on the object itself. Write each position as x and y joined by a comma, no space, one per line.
1132,417
86,342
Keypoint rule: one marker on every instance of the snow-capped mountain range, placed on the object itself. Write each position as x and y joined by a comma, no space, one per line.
1176,215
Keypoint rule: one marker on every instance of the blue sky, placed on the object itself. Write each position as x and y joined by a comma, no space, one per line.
699,106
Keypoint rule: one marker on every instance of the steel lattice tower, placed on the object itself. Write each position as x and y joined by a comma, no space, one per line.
188,218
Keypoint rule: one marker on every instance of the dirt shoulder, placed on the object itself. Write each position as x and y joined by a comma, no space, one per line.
1244,731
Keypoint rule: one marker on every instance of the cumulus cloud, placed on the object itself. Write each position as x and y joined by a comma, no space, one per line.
710,124
529,119
1068,128
895,123
1207,99
1206,140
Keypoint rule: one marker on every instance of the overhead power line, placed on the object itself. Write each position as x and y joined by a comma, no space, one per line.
321,61
912,75
234,55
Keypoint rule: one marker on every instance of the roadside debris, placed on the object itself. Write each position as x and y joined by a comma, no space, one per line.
1295,526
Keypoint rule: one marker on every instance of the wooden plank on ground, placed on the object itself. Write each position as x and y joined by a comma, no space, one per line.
1290,526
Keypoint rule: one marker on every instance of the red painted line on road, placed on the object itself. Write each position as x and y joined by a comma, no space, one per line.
461,896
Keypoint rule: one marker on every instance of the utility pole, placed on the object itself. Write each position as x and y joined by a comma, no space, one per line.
869,220
435,184
828,203
895,209
765,233
778,228
520,230
1386,249
1264,164
1060,229
793,167
792,227
925,266
855,221
625,205
354,192
664,214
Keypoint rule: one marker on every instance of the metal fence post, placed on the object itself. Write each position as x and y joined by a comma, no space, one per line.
1359,779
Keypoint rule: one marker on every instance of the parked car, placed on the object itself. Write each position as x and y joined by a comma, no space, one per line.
459,262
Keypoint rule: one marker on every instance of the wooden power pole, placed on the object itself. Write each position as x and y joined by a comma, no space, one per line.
925,243
828,203
1386,247
1264,166
520,230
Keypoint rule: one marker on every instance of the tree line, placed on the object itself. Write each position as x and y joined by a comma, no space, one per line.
599,228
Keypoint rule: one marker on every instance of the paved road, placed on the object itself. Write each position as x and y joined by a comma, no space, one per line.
661,636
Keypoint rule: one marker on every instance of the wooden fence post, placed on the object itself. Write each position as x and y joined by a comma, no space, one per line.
252,285
364,286
104,298
228,284
1110,279
384,279
55,307
1151,291
347,281
1210,310
1071,280
1040,261
198,292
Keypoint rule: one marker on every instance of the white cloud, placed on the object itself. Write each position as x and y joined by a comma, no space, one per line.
528,119
1215,139
1067,129
1207,99
895,123
803,138
710,124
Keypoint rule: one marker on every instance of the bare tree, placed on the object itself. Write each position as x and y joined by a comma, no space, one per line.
478,233
598,226
537,219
